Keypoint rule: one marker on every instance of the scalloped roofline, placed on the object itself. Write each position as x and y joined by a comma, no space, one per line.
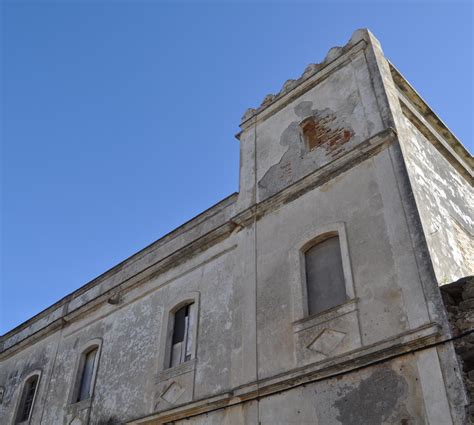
311,70
451,147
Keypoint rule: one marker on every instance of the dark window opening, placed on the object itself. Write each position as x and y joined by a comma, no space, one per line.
86,375
325,276
27,399
182,341
313,135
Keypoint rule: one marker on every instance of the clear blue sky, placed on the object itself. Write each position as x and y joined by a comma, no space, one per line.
118,117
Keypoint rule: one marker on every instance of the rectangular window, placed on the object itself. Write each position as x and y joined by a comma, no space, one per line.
85,387
325,276
182,342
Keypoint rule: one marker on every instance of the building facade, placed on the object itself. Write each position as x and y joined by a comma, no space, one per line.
311,296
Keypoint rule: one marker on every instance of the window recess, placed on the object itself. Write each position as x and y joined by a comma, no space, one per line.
182,340
27,400
326,286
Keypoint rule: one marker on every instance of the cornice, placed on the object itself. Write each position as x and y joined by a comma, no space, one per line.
129,273
313,74
107,283
409,341
368,148
432,127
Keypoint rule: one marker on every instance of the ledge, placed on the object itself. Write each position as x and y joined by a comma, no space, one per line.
202,231
318,71
181,369
397,345
79,405
313,75
364,150
325,316
431,126
206,230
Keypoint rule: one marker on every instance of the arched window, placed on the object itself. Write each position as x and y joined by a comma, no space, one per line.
326,287
182,338
86,373
27,400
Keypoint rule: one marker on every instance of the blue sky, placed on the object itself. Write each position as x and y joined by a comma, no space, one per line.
118,118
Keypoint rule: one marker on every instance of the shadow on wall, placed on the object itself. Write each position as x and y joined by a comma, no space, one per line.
458,297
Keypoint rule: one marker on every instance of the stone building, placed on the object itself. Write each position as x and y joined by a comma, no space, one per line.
311,296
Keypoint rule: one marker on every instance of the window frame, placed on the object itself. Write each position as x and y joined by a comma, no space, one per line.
27,378
298,267
95,344
314,285
166,338
187,335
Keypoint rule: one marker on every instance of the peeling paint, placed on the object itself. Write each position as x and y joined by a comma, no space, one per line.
318,137
260,358
373,400
445,201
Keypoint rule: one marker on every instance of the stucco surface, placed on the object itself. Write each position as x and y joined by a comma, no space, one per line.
446,204
383,394
382,357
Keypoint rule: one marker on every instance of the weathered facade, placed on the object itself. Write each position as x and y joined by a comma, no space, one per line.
239,315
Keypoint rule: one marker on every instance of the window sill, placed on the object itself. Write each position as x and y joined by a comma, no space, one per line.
324,316
174,371
81,405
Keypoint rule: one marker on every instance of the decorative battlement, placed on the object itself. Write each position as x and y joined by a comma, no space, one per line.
309,72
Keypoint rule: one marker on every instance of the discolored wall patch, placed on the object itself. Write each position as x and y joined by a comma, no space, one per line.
375,400
316,139
316,131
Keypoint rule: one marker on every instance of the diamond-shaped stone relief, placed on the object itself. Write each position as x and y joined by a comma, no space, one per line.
172,393
326,342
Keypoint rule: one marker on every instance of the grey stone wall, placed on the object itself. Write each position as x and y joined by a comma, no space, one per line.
445,201
459,300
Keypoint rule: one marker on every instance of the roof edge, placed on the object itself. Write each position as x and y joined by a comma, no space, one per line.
310,71
188,225
430,116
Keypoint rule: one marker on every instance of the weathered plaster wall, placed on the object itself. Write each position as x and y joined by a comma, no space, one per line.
128,383
445,201
125,361
347,117
384,394
386,286
240,262
459,300
13,371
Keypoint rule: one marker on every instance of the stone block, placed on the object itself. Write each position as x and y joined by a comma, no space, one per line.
467,305
468,292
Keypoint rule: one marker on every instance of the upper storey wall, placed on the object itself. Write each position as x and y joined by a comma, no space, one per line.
440,172
445,203
193,237
338,101
351,97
